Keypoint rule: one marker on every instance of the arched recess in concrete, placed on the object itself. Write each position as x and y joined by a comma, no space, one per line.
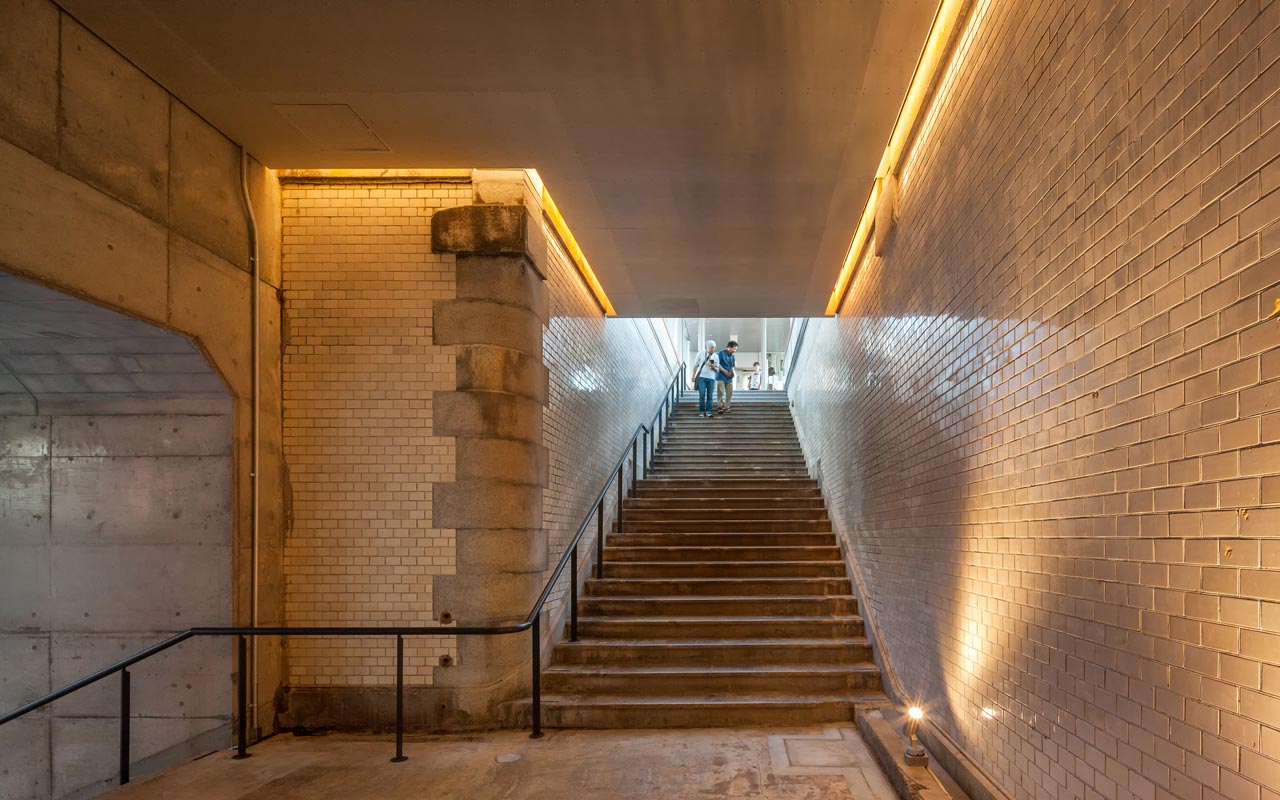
116,529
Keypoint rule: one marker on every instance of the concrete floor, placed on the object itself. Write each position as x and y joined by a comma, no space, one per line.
828,762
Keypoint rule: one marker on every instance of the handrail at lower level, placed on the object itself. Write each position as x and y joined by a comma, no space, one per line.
652,433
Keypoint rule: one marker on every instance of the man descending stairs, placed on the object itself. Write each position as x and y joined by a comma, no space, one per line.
724,601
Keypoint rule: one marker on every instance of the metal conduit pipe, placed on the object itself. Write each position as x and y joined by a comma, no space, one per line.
253,435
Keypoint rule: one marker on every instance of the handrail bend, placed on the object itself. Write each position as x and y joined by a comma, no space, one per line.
651,433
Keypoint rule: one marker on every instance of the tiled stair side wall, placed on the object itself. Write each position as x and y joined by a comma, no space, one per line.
1047,420
606,377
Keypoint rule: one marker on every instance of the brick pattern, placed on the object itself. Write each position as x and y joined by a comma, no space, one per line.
359,372
606,376
1048,421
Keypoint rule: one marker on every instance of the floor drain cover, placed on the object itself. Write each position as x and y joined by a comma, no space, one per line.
507,758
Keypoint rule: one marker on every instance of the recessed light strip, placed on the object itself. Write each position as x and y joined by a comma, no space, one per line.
937,46
575,252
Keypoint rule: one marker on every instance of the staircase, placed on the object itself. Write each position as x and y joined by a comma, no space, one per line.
724,601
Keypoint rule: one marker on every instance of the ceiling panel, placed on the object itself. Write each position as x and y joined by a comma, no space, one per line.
689,144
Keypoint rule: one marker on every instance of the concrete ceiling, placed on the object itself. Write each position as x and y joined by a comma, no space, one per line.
711,156
60,353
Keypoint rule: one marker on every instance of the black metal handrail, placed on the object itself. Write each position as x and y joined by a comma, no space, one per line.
651,434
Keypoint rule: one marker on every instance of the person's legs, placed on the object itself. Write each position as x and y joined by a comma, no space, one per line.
704,395
720,395
728,397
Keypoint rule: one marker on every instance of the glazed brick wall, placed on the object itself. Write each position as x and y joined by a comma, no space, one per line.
359,372
606,376
1048,421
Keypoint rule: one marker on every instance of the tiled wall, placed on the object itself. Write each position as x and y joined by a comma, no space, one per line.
359,373
607,376
1048,421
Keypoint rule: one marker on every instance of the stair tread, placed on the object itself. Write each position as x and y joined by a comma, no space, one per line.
684,598
725,618
712,700
708,563
845,641
803,578
718,669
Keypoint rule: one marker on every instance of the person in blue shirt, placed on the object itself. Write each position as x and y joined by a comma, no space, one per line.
705,377
724,378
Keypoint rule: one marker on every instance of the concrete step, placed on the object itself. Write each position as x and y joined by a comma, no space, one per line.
705,554
729,492
688,652
721,434
676,502
754,511
719,539
716,587
728,525
701,431
737,627
735,568
595,711
715,462
752,606
665,679
694,440
729,473
698,449
785,483
735,420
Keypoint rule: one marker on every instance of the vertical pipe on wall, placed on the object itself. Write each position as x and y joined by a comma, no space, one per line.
253,427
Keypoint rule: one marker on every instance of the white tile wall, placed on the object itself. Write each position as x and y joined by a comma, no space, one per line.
1048,421
359,373
607,376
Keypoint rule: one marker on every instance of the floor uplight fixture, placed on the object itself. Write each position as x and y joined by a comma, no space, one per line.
915,755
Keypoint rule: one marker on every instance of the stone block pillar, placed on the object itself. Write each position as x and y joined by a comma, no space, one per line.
495,504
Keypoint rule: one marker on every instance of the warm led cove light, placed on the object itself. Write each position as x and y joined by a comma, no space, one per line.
913,107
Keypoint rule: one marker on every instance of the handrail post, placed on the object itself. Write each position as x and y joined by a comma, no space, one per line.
537,677
621,486
600,538
124,726
635,474
648,442
573,603
242,698
400,756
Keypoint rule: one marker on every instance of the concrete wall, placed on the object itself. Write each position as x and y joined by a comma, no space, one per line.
115,463
114,191
1048,420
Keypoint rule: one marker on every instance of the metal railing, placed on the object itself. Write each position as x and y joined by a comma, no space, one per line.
649,435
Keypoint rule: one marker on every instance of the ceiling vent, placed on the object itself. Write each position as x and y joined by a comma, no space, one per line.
333,127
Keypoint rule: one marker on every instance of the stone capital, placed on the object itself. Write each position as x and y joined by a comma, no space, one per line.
491,229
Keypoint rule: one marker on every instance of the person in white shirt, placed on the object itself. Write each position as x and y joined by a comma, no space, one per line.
755,379
775,381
